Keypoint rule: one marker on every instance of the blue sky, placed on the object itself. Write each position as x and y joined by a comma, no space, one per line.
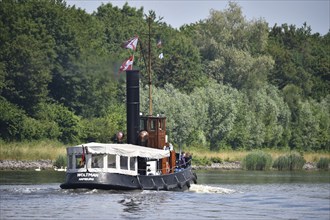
179,12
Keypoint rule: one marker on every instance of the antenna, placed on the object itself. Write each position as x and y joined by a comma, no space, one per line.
149,64
150,19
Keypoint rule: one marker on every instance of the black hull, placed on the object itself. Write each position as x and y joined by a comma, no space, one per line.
179,181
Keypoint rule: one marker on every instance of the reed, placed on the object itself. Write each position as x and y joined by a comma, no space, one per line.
323,163
292,161
34,150
239,155
314,157
51,150
257,160
228,156
60,161
282,163
297,161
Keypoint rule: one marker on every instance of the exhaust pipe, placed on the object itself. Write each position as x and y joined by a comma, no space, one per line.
133,106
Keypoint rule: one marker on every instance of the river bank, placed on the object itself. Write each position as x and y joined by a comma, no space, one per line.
237,166
25,165
48,164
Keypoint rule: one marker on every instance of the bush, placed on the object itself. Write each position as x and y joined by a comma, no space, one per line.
257,160
292,161
297,161
323,163
11,120
60,161
282,163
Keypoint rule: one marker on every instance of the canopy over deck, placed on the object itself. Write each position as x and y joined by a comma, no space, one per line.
129,150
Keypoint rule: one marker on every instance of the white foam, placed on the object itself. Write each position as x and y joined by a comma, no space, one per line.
209,189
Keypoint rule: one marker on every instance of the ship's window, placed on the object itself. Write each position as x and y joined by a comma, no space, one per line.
153,125
80,163
70,165
123,163
161,125
111,161
132,163
97,161
143,124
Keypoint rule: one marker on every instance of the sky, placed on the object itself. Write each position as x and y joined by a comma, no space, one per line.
179,12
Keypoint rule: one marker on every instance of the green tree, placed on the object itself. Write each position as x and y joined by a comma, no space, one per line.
26,54
234,50
181,65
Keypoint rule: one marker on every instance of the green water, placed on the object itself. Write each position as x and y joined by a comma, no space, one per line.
204,177
262,177
31,177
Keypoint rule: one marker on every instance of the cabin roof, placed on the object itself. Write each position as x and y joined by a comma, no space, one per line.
129,150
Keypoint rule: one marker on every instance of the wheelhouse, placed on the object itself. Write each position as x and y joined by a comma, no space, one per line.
156,128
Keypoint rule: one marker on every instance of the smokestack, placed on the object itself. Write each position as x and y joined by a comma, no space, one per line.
133,106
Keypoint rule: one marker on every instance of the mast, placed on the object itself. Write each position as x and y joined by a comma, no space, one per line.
149,64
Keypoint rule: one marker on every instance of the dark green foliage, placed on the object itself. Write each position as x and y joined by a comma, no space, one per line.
224,83
292,161
103,129
323,163
11,120
257,160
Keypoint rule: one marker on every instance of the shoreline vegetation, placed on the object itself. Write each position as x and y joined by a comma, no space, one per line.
6,165
46,154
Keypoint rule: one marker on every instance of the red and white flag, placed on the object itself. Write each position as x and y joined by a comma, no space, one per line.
127,65
131,43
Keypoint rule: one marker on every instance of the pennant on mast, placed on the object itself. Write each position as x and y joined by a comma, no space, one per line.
127,65
131,43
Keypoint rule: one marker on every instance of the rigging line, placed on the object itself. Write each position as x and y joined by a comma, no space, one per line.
144,58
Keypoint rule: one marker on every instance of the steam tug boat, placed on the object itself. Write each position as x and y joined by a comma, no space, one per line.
146,162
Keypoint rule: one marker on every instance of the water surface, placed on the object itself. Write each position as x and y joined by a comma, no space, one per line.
218,195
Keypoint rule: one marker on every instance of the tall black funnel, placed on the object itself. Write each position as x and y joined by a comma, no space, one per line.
133,106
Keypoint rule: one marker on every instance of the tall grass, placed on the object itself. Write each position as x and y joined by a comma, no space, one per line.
51,150
228,156
239,155
323,163
60,161
257,160
292,161
34,150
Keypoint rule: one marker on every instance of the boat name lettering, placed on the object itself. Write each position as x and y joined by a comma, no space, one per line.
86,179
87,175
